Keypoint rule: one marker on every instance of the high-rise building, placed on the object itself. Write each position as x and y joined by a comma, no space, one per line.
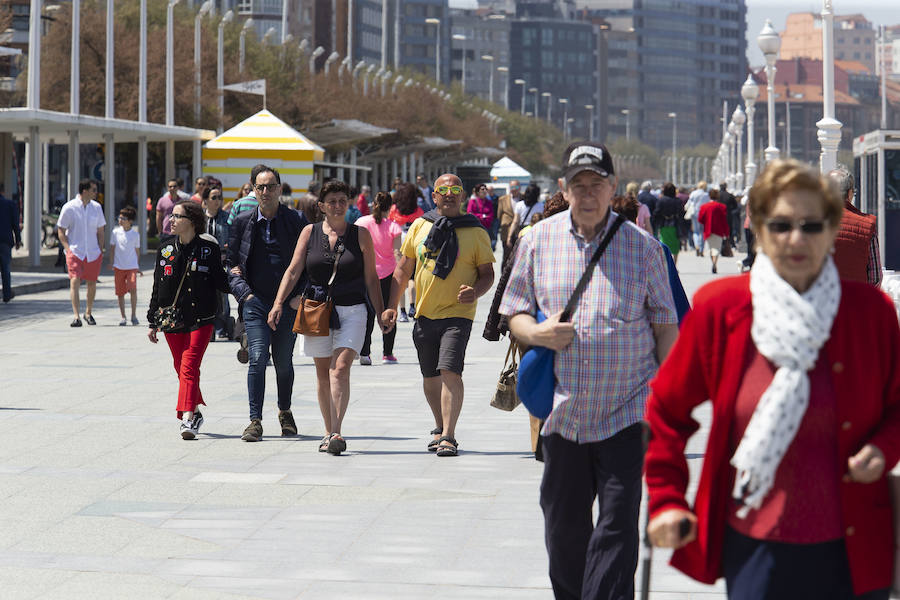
690,56
484,41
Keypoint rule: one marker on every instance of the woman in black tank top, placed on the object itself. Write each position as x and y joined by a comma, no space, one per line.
317,249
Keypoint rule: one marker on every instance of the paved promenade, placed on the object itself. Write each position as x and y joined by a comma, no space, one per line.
100,497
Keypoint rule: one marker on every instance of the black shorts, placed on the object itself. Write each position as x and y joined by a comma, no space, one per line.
441,344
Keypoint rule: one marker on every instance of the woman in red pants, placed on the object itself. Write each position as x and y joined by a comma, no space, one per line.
187,275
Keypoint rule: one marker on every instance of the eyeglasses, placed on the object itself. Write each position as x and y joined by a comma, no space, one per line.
176,217
783,226
211,197
443,190
262,187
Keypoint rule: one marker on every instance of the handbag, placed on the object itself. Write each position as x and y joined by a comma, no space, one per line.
726,248
170,318
505,397
313,316
689,211
537,381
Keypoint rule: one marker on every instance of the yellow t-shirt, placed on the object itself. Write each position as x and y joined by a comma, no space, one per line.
436,297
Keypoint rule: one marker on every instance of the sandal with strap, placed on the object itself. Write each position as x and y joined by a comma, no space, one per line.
433,444
323,445
448,449
336,444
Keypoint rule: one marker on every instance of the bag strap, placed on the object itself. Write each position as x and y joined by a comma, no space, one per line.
340,252
588,273
513,347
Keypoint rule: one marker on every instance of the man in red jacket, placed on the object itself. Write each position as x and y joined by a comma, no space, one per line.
714,218
856,252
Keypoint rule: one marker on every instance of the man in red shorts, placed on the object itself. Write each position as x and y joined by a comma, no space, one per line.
81,224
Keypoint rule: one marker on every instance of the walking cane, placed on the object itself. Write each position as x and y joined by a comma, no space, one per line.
684,527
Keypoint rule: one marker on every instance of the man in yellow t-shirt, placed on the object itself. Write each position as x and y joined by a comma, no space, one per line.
451,255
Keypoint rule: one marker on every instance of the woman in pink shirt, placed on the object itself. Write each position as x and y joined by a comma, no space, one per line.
386,239
481,206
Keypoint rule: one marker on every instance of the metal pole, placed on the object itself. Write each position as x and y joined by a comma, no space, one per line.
110,57
220,76
884,123
109,185
464,71
142,192
33,100
142,67
284,20
349,53
75,62
384,36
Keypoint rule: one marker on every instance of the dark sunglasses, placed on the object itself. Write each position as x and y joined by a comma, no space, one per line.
783,226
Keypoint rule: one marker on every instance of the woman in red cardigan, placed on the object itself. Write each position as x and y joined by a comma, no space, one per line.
802,370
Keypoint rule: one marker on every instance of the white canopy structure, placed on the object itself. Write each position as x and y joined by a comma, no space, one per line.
506,170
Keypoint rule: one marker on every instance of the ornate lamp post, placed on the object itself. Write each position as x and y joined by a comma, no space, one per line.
750,92
770,43
739,119
829,128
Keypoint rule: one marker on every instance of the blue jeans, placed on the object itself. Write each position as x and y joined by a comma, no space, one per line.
697,231
259,338
221,320
5,261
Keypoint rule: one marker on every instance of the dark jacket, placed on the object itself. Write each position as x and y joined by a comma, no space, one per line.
668,212
218,228
10,234
288,225
198,299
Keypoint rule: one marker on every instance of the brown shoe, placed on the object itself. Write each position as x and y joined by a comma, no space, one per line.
286,420
253,432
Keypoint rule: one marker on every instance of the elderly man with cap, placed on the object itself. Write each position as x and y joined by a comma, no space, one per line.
620,331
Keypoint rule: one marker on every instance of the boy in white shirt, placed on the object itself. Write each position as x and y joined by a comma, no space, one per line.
124,251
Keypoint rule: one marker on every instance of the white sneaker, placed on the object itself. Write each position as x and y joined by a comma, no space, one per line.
123,323
186,432
365,360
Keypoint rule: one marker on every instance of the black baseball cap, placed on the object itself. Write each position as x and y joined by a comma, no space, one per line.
587,156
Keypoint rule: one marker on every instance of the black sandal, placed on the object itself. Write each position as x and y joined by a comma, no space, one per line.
433,444
451,449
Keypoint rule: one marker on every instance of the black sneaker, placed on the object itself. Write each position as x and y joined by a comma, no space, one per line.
75,323
196,422
253,432
286,420
412,311
186,433
89,319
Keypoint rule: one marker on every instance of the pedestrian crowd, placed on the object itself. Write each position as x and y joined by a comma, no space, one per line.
798,354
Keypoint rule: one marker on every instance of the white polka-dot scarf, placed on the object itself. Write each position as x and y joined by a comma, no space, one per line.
789,329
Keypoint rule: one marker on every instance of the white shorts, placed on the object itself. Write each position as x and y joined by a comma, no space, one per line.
715,244
350,335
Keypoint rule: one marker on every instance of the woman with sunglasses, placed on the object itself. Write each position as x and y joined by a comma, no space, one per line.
801,369
318,248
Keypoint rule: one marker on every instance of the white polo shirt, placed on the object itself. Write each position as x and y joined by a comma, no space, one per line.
81,224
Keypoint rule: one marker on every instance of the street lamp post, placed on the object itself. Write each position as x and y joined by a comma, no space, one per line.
522,83
565,103
242,47
674,117
490,59
505,71
220,67
319,51
590,108
328,61
549,98
204,10
750,92
461,38
829,128
770,43
437,47
627,114
534,91
568,124
739,119
170,63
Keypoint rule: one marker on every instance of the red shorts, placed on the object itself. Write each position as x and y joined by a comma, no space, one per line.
82,269
126,281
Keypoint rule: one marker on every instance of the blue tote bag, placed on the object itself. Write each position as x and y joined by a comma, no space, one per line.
536,379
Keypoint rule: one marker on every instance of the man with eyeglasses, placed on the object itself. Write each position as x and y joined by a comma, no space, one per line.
260,248
622,328
452,258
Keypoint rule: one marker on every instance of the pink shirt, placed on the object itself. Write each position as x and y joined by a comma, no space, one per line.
383,236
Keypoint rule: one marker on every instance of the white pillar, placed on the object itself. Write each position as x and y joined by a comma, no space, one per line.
829,128
32,193
109,183
142,192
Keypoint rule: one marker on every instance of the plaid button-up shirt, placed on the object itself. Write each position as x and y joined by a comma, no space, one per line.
602,375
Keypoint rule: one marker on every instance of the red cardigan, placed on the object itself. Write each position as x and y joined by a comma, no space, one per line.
708,361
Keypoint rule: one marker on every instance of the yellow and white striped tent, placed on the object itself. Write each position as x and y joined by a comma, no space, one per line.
262,138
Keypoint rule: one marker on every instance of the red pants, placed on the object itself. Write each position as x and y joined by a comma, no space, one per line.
187,350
